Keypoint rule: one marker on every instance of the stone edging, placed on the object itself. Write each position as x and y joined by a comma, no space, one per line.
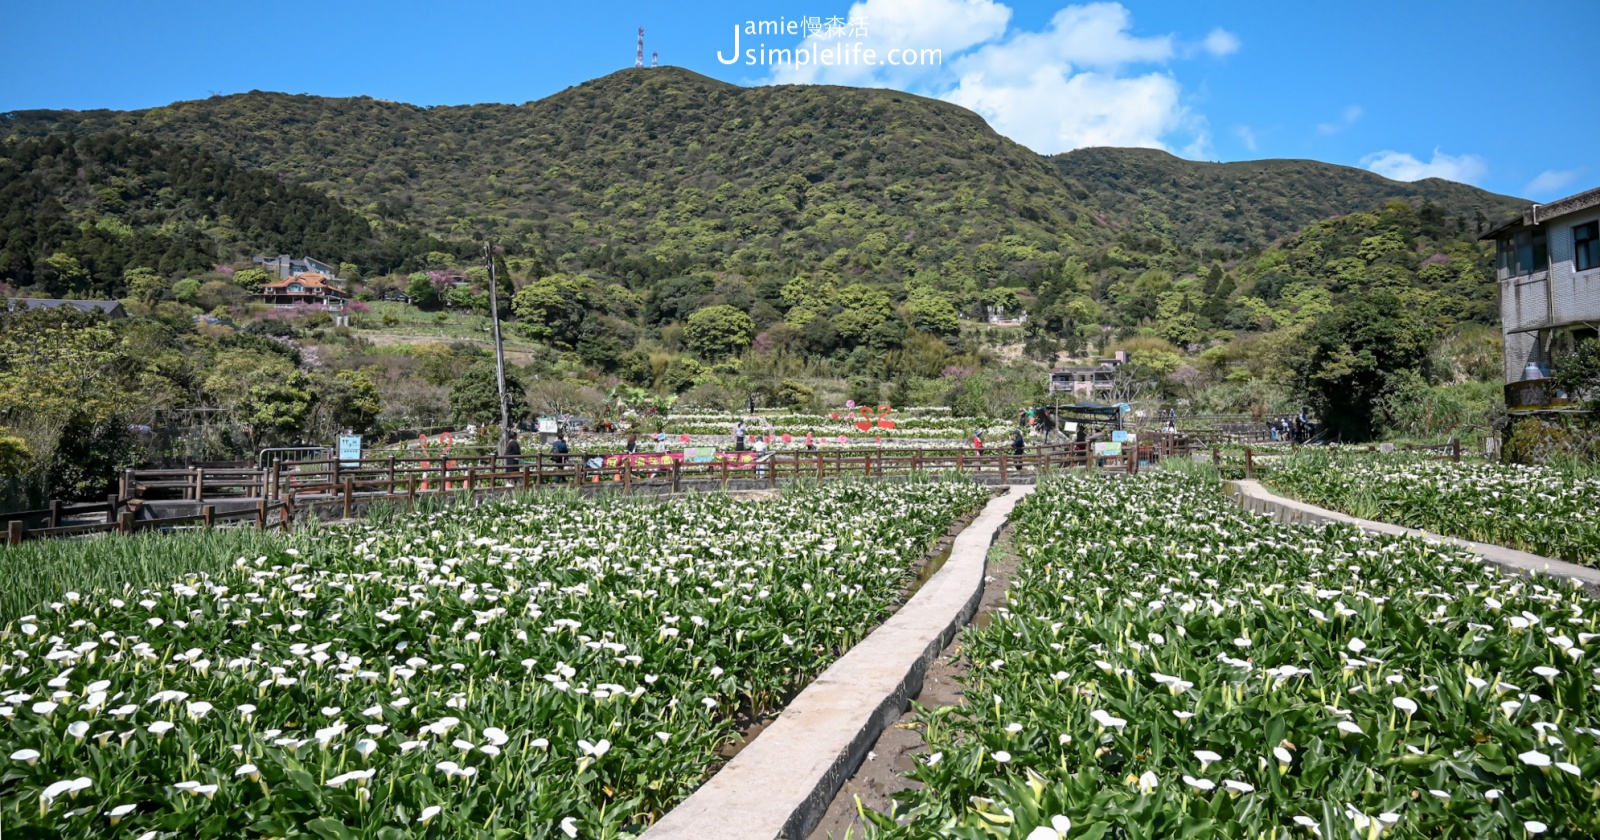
782,783
1255,498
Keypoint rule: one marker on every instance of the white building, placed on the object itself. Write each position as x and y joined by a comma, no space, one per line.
1548,264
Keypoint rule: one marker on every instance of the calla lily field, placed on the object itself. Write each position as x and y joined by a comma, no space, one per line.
1167,665
1527,506
543,666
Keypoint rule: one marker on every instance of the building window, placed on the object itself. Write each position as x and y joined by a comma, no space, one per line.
1586,246
1525,253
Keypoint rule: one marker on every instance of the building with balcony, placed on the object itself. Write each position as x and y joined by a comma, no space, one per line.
308,288
1088,381
1548,264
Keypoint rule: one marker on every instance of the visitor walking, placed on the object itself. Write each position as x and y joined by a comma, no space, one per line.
513,452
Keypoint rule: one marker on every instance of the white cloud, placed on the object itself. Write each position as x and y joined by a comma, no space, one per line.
1246,135
1401,166
1550,181
1054,111
1067,86
947,25
1221,42
1347,118
1083,80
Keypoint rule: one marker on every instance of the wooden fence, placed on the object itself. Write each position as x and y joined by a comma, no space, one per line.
288,488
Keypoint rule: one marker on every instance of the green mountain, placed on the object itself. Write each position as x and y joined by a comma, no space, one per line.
1251,203
654,173
77,212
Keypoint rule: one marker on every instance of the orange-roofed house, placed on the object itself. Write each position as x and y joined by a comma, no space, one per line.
309,287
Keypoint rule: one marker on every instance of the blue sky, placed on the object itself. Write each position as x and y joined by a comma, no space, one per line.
1494,94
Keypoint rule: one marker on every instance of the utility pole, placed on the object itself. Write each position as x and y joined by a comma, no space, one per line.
499,349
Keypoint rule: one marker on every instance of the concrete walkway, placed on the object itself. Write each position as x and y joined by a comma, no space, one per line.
781,784
1253,497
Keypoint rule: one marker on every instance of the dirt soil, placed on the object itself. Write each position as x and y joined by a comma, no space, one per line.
880,776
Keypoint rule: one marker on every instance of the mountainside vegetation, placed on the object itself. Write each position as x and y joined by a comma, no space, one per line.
652,172
78,213
1248,204
659,230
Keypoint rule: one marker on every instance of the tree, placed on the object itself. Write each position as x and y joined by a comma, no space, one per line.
719,331
252,279
65,378
423,294
553,308
475,398
351,401
1579,373
1353,356
933,314
146,286
349,271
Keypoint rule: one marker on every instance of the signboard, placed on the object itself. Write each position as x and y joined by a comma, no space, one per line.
1107,450
1069,427
349,450
549,425
700,454
1119,436
1385,447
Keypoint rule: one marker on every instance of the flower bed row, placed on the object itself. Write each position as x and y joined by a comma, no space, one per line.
1535,508
1168,666
529,668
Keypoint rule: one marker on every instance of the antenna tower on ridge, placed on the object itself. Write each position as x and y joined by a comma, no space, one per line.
638,57
655,59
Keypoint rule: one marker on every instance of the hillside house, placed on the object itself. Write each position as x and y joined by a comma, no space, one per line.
286,266
1548,264
1086,381
308,288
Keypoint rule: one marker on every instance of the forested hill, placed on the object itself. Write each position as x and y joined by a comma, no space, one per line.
691,172
1250,203
76,213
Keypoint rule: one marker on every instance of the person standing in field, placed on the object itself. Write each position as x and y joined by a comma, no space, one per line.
513,452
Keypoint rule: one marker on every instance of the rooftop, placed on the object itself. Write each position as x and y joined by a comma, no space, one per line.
1540,213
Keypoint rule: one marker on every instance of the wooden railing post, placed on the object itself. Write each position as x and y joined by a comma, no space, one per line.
677,474
277,479
111,508
55,513
125,522
199,484
627,476
1249,463
411,493
208,516
1002,468
1216,457
724,472
261,515
349,491
1455,449
391,474
14,532
820,467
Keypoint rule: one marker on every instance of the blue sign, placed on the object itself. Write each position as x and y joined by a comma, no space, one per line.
349,450
1119,436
